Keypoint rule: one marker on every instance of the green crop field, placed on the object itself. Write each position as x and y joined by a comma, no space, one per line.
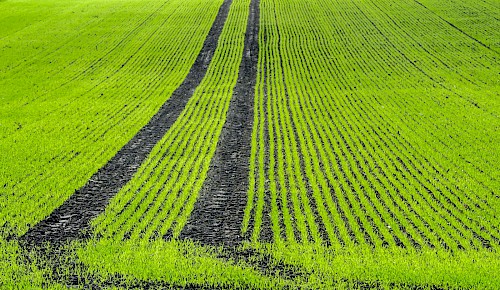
270,144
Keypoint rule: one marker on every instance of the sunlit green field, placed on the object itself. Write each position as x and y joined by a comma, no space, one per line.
375,154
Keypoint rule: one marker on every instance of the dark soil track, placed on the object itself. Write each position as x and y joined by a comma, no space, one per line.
218,212
71,219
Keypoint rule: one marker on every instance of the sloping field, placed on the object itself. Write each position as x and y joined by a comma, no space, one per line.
72,98
162,194
365,139
250,144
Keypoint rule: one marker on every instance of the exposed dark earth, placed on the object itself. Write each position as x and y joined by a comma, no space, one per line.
218,212
71,220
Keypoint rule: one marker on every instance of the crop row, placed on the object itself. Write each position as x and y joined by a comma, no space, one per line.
364,136
88,106
475,18
159,199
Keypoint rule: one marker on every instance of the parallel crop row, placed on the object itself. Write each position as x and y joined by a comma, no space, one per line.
160,198
363,129
104,85
478,19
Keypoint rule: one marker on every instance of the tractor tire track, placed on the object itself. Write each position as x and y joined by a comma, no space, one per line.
218,213
71,220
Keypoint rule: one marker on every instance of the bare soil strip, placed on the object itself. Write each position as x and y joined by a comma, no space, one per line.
218,212
71,219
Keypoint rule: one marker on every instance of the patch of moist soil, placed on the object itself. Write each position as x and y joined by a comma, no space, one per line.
71,219
219,210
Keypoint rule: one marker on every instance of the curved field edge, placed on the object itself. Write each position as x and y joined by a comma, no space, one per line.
107,263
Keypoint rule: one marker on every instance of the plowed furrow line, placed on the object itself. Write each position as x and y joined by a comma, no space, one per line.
470,199
413,178
374,210
218,212
70,219
161,196
277,152
390,189
108,114
266,153
369,175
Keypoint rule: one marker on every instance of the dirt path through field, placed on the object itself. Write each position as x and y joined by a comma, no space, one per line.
218,212
71,219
